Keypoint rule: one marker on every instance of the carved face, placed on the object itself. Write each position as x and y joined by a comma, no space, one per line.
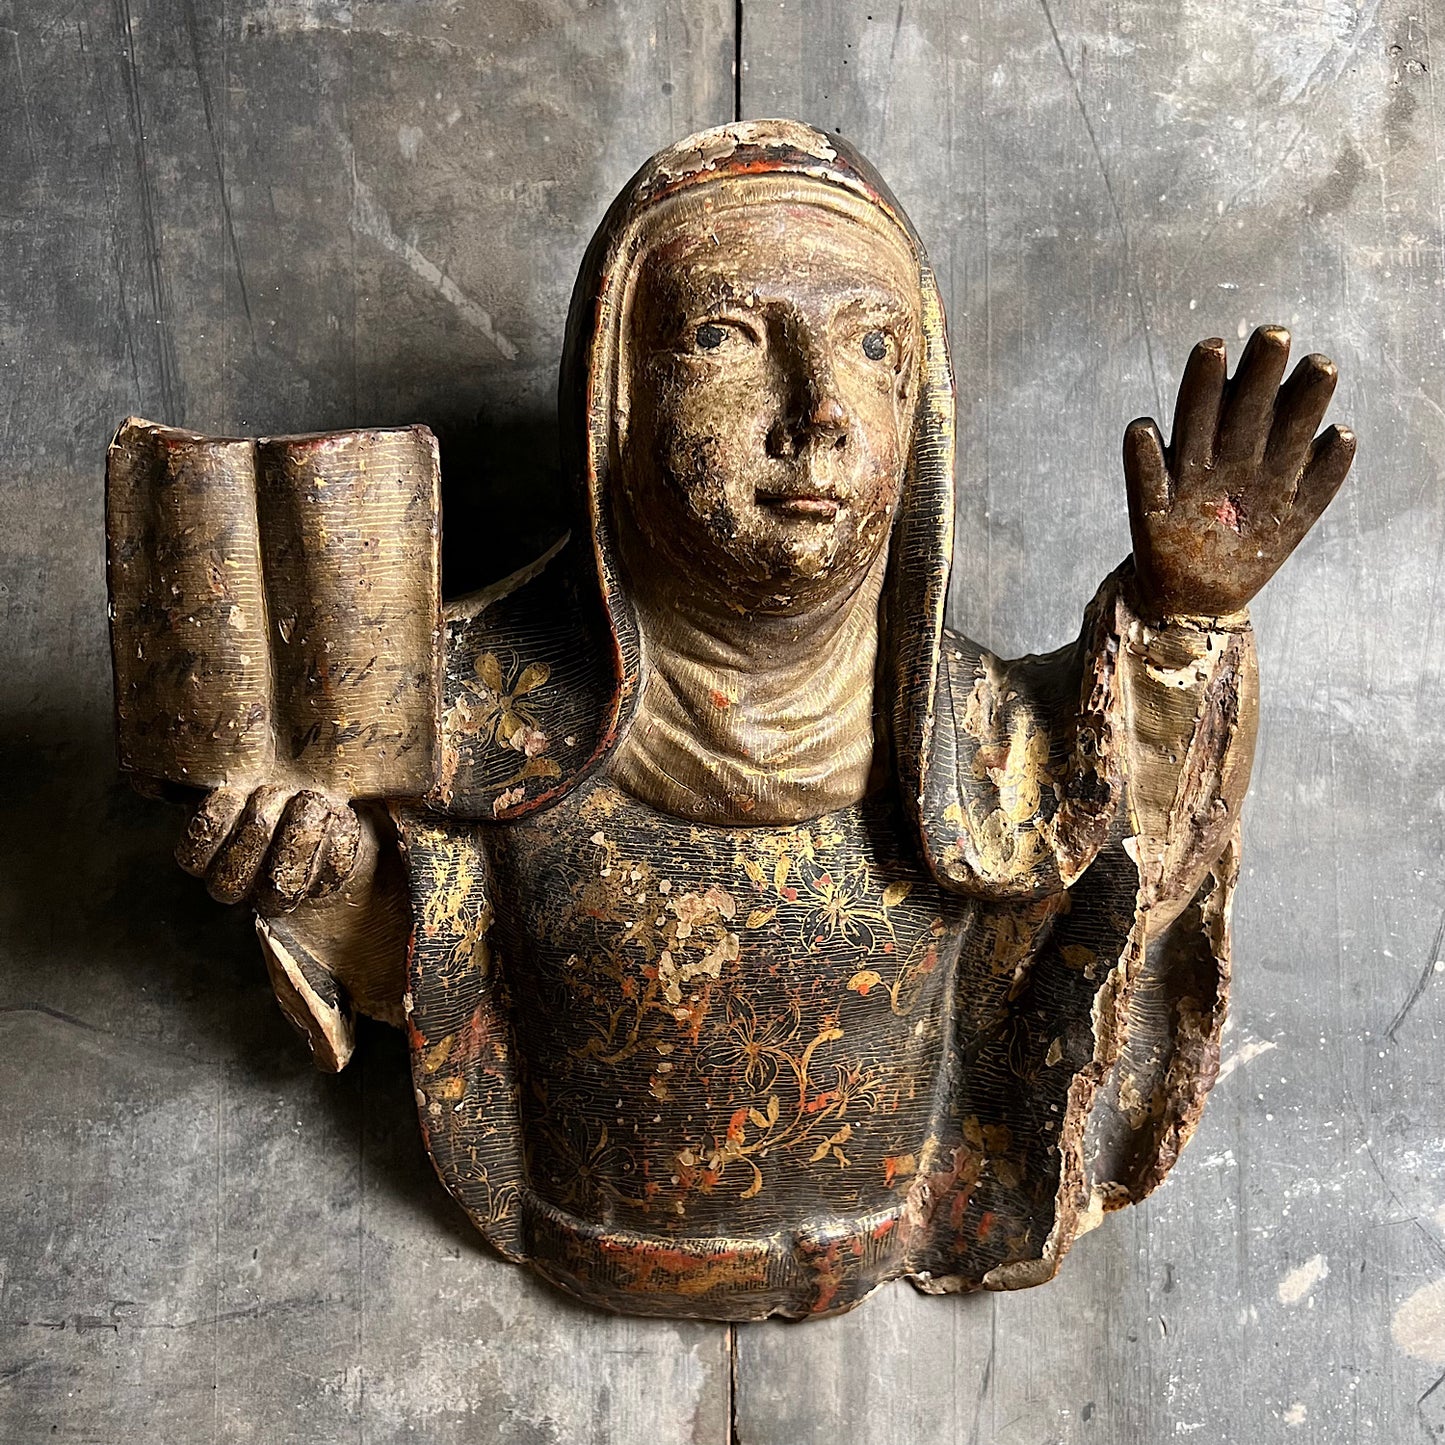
770,358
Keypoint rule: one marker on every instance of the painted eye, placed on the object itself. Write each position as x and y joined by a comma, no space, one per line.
875,345
709,337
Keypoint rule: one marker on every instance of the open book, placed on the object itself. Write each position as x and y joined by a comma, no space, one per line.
275,607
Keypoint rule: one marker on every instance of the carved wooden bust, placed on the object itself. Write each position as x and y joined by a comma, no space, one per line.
759,939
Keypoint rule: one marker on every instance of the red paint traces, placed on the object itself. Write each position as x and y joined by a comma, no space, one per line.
820,1101
985,1223
1229,513
720,700
958,1207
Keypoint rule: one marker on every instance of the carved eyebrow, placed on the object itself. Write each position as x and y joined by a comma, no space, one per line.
875,302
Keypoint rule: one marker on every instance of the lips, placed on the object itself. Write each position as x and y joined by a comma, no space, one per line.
802,506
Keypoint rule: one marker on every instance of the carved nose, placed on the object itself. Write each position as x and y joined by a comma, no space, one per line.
820,420
824,420
827,415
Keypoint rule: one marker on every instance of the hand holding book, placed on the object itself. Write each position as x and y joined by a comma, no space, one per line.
275,637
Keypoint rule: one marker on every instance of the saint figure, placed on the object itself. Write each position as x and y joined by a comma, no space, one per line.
760,939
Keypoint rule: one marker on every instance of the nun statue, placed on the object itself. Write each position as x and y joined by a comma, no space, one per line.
759,939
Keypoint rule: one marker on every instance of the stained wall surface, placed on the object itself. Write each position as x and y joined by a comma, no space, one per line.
278,215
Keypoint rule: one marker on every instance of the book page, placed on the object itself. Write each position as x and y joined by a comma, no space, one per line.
188,611
275,608
350,552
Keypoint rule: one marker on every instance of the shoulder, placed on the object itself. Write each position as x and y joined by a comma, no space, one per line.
527,674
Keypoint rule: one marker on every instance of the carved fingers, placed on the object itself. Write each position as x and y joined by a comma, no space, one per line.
1157,474
1146,472
1247,411
208,829
277,847
1243,478
1298,412
1196,413
1330,457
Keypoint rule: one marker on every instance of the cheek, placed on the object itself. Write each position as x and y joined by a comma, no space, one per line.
878,456
709,440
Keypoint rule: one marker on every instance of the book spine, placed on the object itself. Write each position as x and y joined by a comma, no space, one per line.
189,646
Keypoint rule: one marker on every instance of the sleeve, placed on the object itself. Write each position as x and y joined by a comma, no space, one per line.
1023,774
346,954
1189,701
1097,792
1031,762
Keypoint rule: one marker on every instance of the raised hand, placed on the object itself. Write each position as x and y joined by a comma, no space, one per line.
275,846
1243,478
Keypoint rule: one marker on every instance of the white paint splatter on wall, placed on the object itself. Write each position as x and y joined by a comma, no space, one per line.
1302,1279
1419,1324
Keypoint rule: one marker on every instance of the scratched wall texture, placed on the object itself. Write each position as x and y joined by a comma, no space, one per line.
271,215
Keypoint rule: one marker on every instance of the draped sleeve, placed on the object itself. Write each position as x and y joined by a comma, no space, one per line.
1031,762
1089,800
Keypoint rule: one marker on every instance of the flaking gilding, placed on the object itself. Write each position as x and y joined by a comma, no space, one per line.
732,989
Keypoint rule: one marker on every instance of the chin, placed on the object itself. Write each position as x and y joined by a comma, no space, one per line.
787,565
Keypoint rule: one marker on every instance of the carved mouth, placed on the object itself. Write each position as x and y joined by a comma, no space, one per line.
802,506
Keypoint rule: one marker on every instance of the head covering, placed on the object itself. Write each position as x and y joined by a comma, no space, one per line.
579,605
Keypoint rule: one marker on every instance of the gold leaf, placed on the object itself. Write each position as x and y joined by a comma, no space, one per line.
863,980
997,1138
772,1109
895,893
760,916
758,1118
436,1056
842,1136
490,671
533,676
756,1187
754,870
780,872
